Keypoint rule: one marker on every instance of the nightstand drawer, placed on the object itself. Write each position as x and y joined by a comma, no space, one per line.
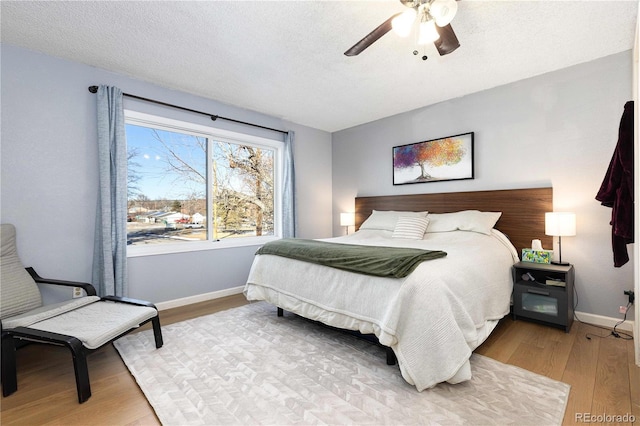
539,304
544,304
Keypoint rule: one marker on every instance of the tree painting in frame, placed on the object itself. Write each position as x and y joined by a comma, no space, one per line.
436,160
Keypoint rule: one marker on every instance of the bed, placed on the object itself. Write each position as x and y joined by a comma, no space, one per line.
437,315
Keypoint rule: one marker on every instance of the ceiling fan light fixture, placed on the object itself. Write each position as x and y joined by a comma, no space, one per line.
428,32
443,11
403,23
433,27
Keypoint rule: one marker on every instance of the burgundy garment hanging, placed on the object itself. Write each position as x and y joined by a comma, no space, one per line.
616,190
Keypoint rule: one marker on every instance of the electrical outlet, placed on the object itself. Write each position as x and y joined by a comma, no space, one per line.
623,310
77,292
631,295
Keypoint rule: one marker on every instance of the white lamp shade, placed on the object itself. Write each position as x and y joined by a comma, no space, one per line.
560,224
428,33
347,219
403,23
443,11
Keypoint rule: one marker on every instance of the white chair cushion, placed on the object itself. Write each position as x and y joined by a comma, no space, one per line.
97,323
18,291
48,311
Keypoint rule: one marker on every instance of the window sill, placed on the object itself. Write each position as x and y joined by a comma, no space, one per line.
163,249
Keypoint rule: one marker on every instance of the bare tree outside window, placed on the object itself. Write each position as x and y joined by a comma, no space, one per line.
168,183
243,188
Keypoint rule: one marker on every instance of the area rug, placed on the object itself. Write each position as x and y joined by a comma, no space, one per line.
247,366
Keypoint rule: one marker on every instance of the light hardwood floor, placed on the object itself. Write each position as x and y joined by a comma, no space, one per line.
601,372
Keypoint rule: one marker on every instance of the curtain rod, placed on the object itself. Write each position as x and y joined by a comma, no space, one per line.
94,89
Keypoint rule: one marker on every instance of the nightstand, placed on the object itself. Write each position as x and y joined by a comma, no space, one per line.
544,292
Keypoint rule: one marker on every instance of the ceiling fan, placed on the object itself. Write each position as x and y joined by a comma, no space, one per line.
433,18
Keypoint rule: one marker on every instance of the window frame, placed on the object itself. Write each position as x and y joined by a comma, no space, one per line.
211,133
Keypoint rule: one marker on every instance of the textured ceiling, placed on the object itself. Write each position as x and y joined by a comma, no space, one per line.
285,58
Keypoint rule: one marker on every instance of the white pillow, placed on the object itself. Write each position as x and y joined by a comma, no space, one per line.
466,220
411,228
387,219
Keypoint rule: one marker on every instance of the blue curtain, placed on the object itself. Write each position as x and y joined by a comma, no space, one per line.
289,219
110,247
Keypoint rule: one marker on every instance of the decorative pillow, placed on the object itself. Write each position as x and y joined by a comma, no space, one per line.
387,219
19,292
411,228
466,220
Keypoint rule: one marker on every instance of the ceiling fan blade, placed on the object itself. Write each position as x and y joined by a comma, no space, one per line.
448,42
371,38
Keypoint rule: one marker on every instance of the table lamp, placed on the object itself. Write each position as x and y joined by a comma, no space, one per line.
347,220
560,224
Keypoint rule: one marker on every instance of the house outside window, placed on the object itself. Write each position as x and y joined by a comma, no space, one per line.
190,186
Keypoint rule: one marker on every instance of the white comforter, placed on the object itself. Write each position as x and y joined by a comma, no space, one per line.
433,319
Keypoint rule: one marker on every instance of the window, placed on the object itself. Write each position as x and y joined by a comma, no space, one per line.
189,183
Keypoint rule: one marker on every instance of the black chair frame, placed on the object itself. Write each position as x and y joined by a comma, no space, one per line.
14,338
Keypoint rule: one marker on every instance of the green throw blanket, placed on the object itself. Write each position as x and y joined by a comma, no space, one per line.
394,262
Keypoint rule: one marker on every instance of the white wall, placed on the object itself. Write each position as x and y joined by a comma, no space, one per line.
49,177
558,129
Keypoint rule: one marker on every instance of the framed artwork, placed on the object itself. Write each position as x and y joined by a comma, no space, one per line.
436,160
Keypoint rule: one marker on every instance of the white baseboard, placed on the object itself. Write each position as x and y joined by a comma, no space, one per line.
604,321
198,298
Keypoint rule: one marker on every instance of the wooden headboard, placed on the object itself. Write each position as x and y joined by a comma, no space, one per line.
522,210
